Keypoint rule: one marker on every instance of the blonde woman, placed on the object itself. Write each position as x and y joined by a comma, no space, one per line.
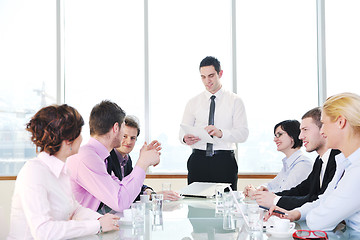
341,127
43,206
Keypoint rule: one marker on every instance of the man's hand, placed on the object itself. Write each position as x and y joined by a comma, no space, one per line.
213,131
170,195
190,139
148,157
264,198
154,145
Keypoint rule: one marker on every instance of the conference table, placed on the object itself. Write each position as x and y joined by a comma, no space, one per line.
195,219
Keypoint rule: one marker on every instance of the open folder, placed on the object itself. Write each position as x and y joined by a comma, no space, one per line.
201,189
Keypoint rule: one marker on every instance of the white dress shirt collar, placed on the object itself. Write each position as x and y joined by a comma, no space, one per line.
55,165
325,158
218,94
353,159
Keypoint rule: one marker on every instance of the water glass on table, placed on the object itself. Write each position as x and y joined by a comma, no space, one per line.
157,208
228,217
255,216
165,188
138,214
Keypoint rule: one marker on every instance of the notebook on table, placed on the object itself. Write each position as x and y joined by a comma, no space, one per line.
201,189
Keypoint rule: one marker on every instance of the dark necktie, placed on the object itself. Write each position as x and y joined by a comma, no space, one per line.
209,146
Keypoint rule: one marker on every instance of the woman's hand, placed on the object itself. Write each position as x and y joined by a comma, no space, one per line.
109,222
293,215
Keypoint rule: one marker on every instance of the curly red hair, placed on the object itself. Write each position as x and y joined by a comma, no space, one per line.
51,125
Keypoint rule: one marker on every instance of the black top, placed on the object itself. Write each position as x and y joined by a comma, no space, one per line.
309,189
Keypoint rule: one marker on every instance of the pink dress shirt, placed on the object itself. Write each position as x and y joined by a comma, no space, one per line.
43,206
91,183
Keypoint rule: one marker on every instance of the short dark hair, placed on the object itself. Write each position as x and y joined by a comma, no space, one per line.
292,128
103,116
51,125
315,114
211,61
132,121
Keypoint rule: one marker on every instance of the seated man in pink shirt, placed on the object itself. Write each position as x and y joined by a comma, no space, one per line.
92,186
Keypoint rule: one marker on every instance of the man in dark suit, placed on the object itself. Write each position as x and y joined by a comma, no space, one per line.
119,162
322,173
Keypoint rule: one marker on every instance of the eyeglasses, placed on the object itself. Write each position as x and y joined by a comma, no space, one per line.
307,234
279,134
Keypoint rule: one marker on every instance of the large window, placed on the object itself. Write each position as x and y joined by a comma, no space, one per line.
144,55
277,73
342,46
104,57
177,45
28,74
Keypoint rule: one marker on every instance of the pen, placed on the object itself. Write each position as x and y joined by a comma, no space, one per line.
275,211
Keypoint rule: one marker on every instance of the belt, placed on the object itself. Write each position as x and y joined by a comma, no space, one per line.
203,152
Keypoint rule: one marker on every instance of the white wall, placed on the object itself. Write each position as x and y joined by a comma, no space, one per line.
7,189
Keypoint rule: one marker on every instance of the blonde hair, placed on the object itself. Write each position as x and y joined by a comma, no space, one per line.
344,104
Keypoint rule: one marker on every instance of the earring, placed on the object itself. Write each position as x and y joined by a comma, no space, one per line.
70,147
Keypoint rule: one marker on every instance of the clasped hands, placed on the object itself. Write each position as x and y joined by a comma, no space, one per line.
149,154
261,194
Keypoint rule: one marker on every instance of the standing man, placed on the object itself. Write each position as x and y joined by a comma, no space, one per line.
121,163
222,114
323,169
92,186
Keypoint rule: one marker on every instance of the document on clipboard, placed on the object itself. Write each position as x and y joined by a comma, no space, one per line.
198,132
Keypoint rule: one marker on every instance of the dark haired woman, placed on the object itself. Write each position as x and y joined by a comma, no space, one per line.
296,166
43,206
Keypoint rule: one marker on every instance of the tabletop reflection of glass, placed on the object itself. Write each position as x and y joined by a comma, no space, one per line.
195,219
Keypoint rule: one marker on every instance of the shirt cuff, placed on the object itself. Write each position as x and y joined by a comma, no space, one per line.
276,200
140,171
303,213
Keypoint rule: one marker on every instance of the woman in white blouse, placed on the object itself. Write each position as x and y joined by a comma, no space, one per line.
296,166
43,206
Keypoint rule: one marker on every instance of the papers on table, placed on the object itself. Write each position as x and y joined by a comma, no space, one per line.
198,132
201,189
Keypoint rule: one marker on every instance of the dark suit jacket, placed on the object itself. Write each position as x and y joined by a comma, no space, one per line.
309,189
114,165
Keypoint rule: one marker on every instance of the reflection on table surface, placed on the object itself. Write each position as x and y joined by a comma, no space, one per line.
195,219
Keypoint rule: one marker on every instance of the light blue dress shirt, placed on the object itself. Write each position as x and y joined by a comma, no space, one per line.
295,169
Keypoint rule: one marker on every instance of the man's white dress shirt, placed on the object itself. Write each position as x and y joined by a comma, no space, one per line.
230,117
